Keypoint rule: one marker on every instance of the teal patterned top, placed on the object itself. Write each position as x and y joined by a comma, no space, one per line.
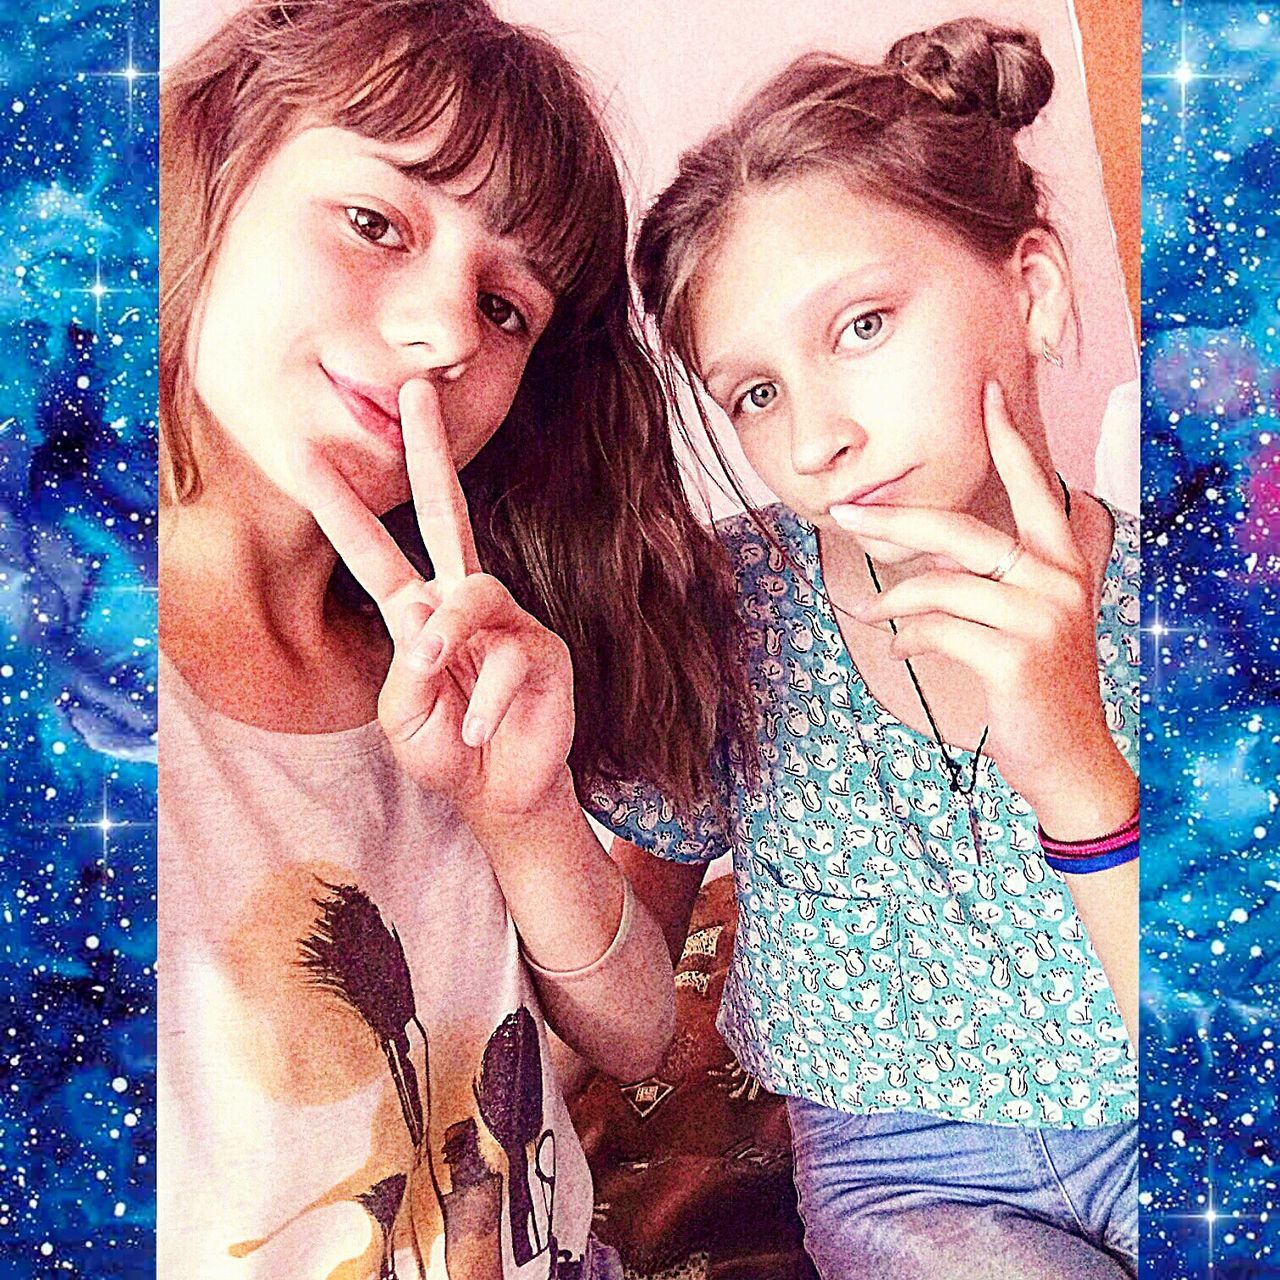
886,958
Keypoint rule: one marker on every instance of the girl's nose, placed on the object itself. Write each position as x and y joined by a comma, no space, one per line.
824,431
433,311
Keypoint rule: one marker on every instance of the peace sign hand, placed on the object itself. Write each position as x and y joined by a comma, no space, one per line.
478,701
1021,616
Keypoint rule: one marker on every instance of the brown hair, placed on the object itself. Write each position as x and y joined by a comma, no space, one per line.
931,129
577,501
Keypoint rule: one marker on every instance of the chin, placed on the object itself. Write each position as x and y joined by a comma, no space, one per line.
377,475
889,553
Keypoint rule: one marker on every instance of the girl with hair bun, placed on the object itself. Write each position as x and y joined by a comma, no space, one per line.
934,833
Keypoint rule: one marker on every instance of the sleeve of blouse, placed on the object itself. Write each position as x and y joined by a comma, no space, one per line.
640,813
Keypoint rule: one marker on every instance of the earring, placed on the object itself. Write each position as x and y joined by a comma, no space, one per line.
1051,355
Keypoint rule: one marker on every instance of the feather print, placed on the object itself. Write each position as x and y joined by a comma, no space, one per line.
354,955
509,1093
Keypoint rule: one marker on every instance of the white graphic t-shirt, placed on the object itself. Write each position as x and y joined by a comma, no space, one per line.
353,1073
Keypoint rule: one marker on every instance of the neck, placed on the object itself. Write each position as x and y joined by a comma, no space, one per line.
238,552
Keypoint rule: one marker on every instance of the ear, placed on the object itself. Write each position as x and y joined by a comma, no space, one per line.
1042,280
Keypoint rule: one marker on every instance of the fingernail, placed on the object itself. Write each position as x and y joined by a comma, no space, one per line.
475,731
426,652
848,516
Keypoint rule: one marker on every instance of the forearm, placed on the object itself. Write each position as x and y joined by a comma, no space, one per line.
1086,798
605,983
1107,903
619,1012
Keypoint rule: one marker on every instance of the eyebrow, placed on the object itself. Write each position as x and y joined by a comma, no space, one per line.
871,278
409,170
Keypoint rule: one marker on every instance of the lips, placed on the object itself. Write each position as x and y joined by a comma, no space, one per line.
376,409
873,493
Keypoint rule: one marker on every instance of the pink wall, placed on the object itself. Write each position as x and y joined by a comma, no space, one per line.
672,69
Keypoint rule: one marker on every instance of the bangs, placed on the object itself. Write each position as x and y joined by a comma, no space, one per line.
510,122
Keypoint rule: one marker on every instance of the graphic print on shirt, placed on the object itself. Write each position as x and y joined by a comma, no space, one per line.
357,958
382,1203
509,1094
352,955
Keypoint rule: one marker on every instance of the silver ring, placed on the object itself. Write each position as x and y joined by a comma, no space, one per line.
1012,558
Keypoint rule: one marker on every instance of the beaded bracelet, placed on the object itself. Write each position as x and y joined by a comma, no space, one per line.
1081,857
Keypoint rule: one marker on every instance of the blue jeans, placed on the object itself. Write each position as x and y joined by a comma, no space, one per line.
912,1196
602,1262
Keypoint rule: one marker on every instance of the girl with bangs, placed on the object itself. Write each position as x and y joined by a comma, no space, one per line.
394,270
935,863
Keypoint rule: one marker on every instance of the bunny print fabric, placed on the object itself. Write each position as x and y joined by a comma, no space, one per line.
899,945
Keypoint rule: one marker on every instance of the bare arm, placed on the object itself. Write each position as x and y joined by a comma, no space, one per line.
478,706
1107,903
667,889
1029,635
1094,795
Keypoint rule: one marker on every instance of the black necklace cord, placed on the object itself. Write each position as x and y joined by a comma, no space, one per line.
953,769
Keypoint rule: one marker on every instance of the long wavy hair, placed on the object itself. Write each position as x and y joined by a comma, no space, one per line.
577,500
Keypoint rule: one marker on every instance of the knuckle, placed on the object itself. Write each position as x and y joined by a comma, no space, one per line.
407,600
407,630
523,670
517,662
1042,624
504,664
484,589
450,624
560,654
893,604
551,652
435,504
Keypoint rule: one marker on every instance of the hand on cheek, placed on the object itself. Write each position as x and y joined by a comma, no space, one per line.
1020,615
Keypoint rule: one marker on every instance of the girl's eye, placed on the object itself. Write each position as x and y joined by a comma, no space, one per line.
758,398
375,227
863,328
502,313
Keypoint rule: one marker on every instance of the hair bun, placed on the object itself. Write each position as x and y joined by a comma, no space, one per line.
970,65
